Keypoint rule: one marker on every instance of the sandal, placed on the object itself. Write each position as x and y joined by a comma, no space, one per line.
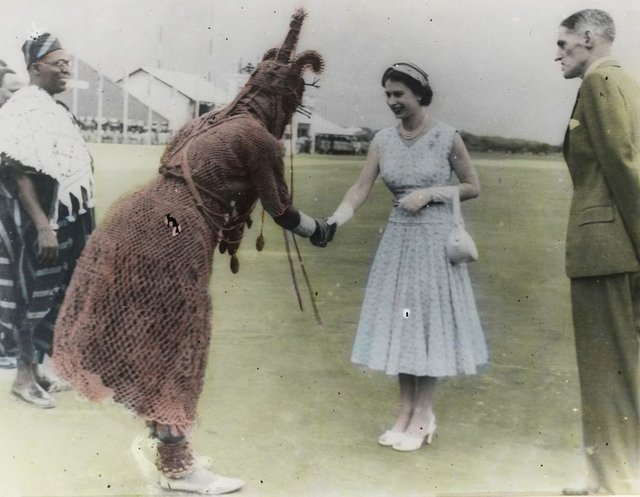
53,385
7,362
33,394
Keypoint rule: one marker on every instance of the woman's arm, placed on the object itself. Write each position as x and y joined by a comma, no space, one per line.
465,171
360,190
47,239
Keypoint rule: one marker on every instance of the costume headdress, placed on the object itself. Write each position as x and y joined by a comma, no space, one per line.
39,45
272,93
279,74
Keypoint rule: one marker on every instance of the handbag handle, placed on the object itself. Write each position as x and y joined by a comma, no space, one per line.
457,212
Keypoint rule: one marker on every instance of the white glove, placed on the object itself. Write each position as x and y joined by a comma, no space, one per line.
418,199
441,193
343,213
414,201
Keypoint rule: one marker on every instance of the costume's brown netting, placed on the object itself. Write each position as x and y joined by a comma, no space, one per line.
135,324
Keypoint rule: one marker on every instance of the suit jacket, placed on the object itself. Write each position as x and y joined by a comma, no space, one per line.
602,151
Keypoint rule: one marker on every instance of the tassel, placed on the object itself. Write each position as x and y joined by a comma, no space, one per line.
260,239
235,264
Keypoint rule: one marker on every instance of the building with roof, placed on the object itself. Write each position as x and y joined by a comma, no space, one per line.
177,95
93,96
155,102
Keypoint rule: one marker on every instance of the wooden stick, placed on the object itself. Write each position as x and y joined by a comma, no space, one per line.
312,297
293,271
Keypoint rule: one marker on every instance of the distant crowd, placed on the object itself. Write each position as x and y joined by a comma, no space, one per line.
112,131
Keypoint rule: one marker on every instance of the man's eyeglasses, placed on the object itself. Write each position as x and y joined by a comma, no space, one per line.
60,64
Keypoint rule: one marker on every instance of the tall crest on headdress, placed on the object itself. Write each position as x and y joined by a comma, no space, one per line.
290,42
285,56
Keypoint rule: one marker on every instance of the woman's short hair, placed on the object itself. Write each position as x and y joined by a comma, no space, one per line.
414,77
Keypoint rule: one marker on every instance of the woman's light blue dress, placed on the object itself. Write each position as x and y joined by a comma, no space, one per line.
419,314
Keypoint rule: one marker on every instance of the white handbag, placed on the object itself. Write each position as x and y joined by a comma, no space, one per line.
460,246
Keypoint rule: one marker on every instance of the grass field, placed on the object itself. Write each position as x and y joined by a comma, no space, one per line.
518,223
283,407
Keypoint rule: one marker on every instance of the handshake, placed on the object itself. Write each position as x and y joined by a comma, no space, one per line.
319,231
323,233
326,228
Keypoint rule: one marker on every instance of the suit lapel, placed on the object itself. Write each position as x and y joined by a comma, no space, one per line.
565,144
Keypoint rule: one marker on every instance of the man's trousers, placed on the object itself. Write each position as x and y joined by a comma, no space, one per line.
606,318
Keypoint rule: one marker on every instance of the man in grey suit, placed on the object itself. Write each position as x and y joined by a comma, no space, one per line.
602,151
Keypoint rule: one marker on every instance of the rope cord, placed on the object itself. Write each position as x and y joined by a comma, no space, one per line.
312,298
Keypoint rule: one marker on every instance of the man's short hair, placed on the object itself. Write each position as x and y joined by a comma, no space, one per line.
599,22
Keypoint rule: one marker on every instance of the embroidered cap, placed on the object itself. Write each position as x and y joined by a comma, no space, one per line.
38,46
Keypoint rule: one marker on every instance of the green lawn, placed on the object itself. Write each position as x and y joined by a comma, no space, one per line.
518,223
521,415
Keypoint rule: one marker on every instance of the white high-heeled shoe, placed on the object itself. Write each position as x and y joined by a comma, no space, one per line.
390,437
409,443
202,481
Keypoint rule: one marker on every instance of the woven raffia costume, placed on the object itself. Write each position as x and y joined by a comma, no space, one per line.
135,324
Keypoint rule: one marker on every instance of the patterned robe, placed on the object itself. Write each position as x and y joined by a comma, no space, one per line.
39,138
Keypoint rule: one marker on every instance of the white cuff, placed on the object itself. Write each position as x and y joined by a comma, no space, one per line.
442,193
307,226
343,213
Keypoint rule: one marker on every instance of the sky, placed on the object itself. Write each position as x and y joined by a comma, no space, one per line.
490,62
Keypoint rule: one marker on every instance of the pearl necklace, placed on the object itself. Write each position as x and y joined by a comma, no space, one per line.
414,133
